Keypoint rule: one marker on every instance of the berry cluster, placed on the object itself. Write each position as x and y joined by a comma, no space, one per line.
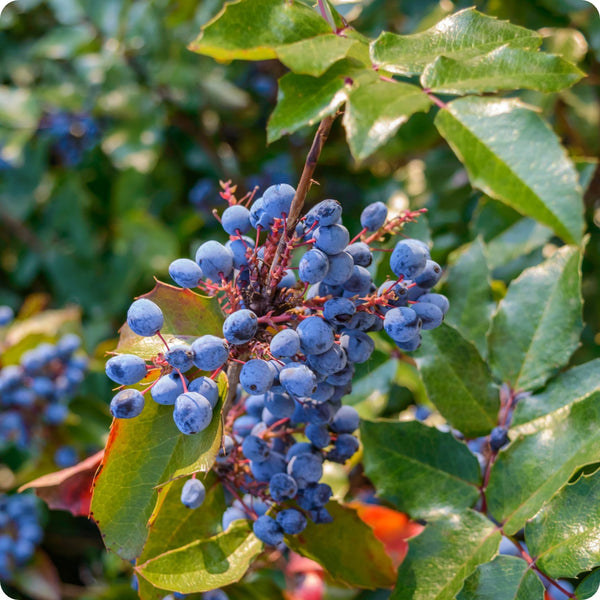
73,135
291,342
20,532
36,392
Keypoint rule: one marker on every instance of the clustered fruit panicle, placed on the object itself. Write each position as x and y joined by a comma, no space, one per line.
292,336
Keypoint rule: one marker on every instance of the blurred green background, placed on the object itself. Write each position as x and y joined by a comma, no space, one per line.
113,139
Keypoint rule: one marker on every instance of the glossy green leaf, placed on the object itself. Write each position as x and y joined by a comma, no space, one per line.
458,381
512,155
375,111
564,535
313,56
421,470
540,461
141,454
333,546
537,325
589,586
504,578
463,35
468,288
305,100
205,564
504,68
519,239
252,29
444,555
187,316
569,387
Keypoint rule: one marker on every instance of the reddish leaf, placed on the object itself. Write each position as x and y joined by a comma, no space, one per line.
68,489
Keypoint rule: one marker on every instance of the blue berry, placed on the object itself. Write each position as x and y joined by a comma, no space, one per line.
236,220
193,493
409,258
254,405
288,280
298,380
243,425
67,344
346,420
240,327
185,272
316,335
313,266
277,200
279,405
315,495
267,530
180,357
438,299
331,239
326,212
410,345
282,487
345,446
374,216
264,470
361,254
401,324
167,388
65,456
207,388
340,269
285,343
359,282
239,248
431,316
255,448
192,413
56,414
291,521
318,435
328,362
430,275
231,514
145,318
215,261
498,438
7,314
127,404
210,352
305,469
357,345
126,369
259,218
256,376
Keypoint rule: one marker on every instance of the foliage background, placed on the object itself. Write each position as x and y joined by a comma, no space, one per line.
171,124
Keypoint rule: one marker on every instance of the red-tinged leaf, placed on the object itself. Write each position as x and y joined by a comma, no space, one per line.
68,489
38,580
390,526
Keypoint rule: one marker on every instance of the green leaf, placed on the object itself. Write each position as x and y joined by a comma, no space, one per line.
333,546
375,111
463,35
519,239
313,56
252,29
564,535
421,470
504,578
512,155
205,564
187,316
444,555
537,325
469,290
504,68
569,387
458,381
305,100
589,586
540,462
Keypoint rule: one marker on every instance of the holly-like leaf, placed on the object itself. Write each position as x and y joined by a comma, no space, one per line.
469,290
539,462
305,100
187,316
506,578
204,564
68,489
512,155
463,35
421,470
252,29
589,586
313,56
458,381
564,535
537,325
569,387
504,68
375,111
333,546
439,560
519,239
140,455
